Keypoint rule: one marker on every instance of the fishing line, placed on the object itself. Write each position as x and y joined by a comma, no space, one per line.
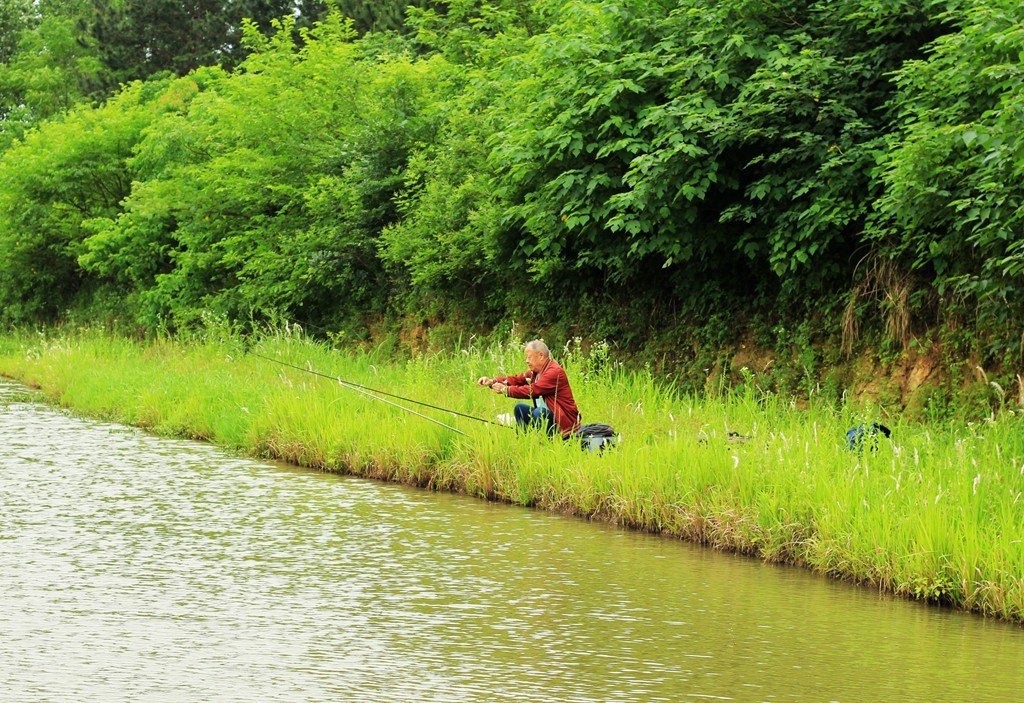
365,390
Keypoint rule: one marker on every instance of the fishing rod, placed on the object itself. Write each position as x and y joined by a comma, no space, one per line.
365,390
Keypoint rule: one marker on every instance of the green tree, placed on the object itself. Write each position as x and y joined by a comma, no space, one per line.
125,249
378,15
808,127
462,30
52,184
642,135
267,195
54,67
144,37
14,19
444,245
952,207
450,249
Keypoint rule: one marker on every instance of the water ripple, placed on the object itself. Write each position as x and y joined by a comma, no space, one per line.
134,568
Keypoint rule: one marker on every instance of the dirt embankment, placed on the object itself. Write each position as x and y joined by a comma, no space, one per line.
919,382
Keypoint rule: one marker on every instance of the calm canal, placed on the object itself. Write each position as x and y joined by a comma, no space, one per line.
134,568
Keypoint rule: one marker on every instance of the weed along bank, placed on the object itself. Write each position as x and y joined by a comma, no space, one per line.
202,575
930,512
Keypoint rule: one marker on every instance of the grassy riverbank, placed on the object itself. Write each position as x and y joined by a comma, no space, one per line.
934,514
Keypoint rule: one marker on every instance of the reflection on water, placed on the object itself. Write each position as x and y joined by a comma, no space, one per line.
143,569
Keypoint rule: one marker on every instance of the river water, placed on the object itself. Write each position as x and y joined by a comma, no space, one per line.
135,568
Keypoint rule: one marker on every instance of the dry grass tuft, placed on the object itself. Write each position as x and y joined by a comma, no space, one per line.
887,285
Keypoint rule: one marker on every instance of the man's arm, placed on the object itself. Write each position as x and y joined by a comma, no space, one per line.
517,386
516,380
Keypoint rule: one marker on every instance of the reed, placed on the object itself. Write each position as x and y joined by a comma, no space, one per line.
933,515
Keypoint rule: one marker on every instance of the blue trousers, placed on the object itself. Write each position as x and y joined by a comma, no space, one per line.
528,416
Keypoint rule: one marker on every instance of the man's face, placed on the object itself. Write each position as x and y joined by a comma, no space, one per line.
535,360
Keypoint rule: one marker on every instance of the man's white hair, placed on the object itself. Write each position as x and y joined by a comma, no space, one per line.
539,347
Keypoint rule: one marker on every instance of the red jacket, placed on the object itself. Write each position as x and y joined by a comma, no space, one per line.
552,385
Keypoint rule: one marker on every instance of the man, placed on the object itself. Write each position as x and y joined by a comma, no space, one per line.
545,379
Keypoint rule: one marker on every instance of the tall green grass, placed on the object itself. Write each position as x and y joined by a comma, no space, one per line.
935,514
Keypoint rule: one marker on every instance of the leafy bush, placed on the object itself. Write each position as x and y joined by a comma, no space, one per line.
953,183
52,185
593,166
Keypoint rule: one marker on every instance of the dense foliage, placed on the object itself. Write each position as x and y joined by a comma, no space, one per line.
55,54
605,166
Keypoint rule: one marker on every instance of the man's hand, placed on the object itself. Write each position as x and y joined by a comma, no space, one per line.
484,381
499,387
